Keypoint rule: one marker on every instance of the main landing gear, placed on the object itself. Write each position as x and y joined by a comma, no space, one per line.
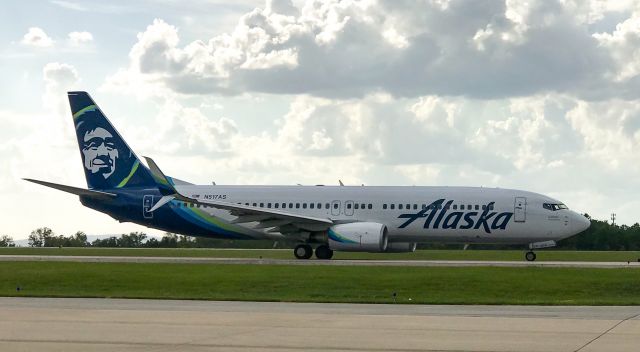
305,251
530,256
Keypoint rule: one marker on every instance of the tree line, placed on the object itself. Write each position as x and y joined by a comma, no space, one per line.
600,236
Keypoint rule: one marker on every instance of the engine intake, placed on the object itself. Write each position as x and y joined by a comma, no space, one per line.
358,237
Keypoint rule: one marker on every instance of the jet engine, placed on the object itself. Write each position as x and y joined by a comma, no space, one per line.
358,237
401,247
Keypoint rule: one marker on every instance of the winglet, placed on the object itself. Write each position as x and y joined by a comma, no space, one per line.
163,183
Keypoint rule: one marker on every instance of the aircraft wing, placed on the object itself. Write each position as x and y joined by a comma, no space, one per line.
270,219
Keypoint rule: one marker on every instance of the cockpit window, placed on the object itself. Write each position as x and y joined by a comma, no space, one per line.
554,207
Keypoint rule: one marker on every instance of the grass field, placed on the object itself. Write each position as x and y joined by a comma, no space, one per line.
427,285
510,255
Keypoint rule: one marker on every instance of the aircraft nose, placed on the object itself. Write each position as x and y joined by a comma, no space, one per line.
580,223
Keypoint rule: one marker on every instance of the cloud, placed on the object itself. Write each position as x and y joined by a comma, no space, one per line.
79,38
58,79
348,49
36,37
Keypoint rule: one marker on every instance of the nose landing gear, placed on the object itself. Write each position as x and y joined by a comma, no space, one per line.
530,256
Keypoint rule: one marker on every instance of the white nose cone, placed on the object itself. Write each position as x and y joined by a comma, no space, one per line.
580,223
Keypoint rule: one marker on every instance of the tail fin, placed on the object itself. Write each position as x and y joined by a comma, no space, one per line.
108,161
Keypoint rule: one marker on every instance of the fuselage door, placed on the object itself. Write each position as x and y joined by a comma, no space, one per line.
147,203
520,209
348,208
335,208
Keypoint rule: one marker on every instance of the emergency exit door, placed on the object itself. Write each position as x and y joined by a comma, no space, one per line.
147,204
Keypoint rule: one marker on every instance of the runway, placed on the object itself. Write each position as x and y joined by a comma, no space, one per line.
38,324
341,262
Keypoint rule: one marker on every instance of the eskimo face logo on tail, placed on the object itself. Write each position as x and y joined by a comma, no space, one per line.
438,216
108,162
99,152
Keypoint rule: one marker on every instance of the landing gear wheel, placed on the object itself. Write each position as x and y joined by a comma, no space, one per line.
324,252
303,251
530,256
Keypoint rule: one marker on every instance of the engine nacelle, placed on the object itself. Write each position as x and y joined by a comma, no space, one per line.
358,237
401,247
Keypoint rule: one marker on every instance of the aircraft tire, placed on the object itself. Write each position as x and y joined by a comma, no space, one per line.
530,256
303,251
324,252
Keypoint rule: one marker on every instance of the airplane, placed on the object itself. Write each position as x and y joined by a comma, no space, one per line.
375,219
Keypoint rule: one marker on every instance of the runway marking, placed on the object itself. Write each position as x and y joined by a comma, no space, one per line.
335,262
604,333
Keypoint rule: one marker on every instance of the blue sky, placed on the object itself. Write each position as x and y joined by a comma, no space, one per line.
536,95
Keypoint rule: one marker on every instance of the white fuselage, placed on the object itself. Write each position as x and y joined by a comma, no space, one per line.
464,215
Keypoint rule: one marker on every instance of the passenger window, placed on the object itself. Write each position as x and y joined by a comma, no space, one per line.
335,206
370,206
461,206
320,206
284,205
349,206
415,206
469,207
268,205
484,207
326,206
362,206
393,206
455,207
384,206
477,207
312,205
276,205
408,206
261,205
297,205
356,206
424,206
399,206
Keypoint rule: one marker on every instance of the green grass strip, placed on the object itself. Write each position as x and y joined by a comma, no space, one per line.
426,285
507,255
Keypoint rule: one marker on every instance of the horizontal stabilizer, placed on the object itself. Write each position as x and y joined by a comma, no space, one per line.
73,190
164,200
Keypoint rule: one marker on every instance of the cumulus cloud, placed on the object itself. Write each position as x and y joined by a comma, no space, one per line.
344,49
79,38
36,37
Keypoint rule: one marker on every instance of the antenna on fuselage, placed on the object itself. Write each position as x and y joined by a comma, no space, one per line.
213,183
340,181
